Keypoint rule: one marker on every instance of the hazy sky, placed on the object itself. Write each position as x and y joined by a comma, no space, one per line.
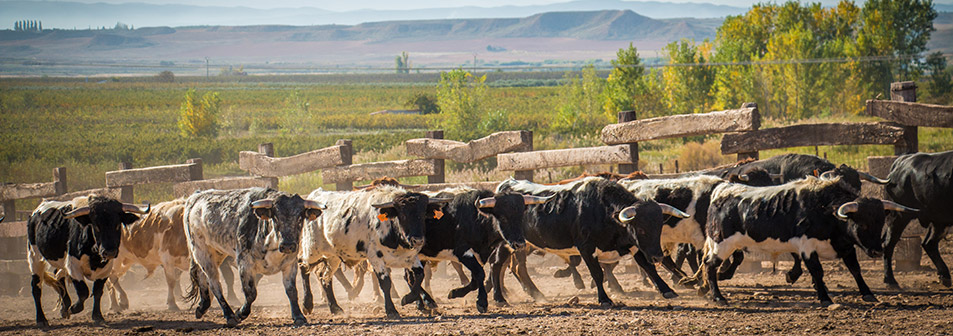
338,5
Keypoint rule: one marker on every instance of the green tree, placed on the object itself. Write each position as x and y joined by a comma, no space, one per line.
424,102
581,104
940,89
199,118
894,28
688,84
403,62
623,81
460,96
296,116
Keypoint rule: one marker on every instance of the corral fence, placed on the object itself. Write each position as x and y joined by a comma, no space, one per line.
514,152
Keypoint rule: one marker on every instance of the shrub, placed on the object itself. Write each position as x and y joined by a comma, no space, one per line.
199,119
695,156
424,102
166,77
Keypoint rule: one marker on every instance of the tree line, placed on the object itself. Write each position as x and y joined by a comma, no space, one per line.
28,25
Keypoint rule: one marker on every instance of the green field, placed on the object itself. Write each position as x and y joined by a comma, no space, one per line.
89,127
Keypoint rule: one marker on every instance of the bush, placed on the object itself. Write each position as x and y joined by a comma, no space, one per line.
696,156
199,119
424,102
166,77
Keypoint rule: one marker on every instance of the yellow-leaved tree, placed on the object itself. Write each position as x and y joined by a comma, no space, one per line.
199,118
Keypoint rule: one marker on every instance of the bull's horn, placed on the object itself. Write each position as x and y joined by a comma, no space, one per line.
439,200
309,204
383,205
743,178
776,176
2,217
627,214
871,178
673,211
847,208
488,202
76,213
894,206
827,175
263,203
132,208
530,199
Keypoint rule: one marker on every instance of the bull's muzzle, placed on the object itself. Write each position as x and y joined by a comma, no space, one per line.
518,245
109,254
416,242
288,248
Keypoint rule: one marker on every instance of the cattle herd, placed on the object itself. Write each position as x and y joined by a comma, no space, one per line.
790,204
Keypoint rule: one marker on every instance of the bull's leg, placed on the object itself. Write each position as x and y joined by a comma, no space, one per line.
817,275
428,274
728,271
681,254
82,293
199,289
249,288
291,289
358,285
460,274
850,260
383,278
595,270
345,283
332,265
172,283
572,261
893,230
931,245
711,272
417,293
611,280
308,300
795,273
498,261
672,267
476,281
522,275
64,297
229,277
652,273
210,269
35,284
97,296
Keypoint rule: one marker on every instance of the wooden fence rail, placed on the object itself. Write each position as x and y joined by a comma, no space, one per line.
563,157
870,133
738,120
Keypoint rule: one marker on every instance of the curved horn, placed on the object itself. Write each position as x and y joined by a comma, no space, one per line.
488,202
847,208
627,214
263,203
439,200
383,205
309,204
894,206
827,175
530,199
132,208
76,213
673,211
776,176
871,178
743,178
1,218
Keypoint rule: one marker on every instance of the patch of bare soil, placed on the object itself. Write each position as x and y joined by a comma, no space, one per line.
760,303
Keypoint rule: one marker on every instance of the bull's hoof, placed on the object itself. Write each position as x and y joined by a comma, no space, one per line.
792,278
481,307
721,301
825,303
689,282
308,308
892,286
563,273
335,309
243,313
702,291
123,304
606,304
408,299
173,307
501,303
580,285
669,295
64,312
199,312
870,298
76,309
42,324
300,321
393,315
946,282
231,322
458,293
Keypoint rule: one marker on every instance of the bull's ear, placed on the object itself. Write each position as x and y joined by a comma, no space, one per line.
262,213
386,214
128,218
312,214
84,219
434,210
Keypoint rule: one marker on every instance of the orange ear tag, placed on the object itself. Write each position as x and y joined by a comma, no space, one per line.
815,173
383,217
437,214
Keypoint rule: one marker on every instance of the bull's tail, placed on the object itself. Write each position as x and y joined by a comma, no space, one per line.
195,285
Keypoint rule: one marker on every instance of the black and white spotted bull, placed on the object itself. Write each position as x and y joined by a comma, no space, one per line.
923,181
594,218
474,224
260,228
384,225
81,238
813,217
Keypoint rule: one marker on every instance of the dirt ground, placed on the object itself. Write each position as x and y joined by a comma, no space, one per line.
760,303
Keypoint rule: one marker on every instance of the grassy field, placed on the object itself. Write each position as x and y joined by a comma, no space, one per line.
89,127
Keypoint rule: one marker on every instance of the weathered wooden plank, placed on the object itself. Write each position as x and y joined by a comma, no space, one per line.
26,190
739,120
912,114
239,182
170,173
108,192
262,165
12,229
370,171
870,133
564,157
18,266
488,185
474,150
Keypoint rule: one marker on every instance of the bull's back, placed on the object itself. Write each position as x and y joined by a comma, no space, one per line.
924,181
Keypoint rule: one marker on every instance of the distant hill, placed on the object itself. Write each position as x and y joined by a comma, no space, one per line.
70,15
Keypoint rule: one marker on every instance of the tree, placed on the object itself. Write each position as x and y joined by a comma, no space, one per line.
894,28
199,118
403,63
623,81
940,89
296,114
688,85
166,76
460,97
423,102
581,104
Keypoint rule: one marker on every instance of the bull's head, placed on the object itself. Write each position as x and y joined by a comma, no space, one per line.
757,177
287,214
865,221
411,211
643,219
102,220
507,208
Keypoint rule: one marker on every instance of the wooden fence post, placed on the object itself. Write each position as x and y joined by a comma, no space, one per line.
749,155
59,180
196,172
905,92
438,163
267,148
125,193
347,157
525,174
627,168
10,210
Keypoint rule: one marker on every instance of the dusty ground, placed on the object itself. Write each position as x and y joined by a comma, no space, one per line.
760,303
